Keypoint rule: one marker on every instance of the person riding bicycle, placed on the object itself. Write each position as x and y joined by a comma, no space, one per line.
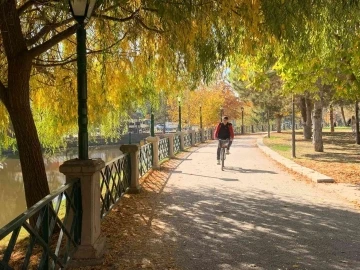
224,131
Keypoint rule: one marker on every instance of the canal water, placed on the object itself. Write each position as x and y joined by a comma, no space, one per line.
12,196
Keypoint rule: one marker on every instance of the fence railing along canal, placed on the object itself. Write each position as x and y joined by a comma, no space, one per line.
164,147
47,234
145,159
115,180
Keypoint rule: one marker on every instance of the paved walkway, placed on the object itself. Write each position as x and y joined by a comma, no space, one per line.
254,215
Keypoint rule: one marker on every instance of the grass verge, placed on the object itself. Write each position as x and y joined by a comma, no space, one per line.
339,160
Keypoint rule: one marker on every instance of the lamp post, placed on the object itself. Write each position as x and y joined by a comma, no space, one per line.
138,125
293,127
179,102
221,113
242,120
201,125
152,123
81,11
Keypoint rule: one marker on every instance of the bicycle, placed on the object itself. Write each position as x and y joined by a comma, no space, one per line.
223,145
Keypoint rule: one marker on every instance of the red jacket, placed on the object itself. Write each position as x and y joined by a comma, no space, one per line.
231,130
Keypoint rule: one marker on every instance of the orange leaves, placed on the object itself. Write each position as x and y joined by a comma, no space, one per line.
211,99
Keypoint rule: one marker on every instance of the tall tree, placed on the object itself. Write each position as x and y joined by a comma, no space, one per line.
185,39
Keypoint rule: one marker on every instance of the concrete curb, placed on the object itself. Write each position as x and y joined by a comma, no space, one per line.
313,175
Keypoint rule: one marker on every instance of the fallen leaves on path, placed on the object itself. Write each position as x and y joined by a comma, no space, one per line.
136,239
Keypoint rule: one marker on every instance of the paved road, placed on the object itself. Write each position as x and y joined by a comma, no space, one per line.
254,215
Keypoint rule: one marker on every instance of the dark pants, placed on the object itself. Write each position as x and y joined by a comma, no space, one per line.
219,148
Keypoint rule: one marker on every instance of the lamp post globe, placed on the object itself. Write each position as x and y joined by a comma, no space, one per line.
81,11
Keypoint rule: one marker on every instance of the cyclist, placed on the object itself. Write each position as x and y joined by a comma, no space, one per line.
224,131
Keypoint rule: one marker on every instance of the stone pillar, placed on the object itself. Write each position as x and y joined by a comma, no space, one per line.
155,143
133,150
202,132
193,138
171,144
88,171
182,145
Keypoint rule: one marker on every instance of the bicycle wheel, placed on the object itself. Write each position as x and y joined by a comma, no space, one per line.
222,158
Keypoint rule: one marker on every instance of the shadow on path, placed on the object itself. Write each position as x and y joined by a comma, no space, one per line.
242,170
223,229
206,176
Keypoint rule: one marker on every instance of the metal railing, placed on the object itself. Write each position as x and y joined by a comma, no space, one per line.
49,232
207,134
197,137
187,140
115,179
164,145
145,159
176,144
253,128
263,128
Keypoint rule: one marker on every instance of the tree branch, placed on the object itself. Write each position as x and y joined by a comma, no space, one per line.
147,27
70,58
57,64
46,29
3,92
30,3
11,33
25,6
53,41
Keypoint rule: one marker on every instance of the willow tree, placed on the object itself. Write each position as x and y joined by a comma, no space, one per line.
191,37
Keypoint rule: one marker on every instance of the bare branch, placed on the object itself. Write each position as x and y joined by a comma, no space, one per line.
54,64
3,92
70,59
30,3
147,27
46,29
25,6
53,41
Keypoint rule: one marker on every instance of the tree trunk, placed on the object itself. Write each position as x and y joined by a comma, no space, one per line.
268,123
308,121
343,115
332,125
278,123
318,142
357,133
17,103
302,105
